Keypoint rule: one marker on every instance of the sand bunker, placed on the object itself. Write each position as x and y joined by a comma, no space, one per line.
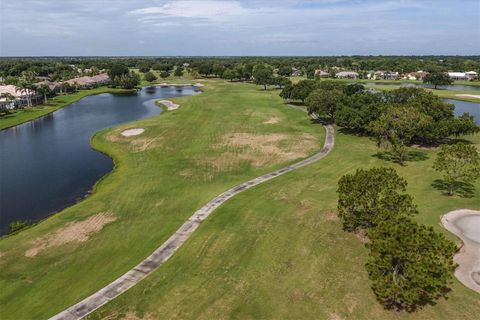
132,132
477,96
198,85
169,104
260,149
72,232
466,225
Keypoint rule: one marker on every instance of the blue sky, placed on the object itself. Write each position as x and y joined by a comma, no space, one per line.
243,27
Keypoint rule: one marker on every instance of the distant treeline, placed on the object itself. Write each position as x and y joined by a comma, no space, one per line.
215,66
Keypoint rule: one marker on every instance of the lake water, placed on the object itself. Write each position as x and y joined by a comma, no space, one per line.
47,164
421,85
463,106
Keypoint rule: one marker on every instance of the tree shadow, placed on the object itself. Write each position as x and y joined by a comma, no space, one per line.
462,189
411,156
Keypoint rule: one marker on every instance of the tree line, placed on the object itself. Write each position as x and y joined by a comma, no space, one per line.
395,119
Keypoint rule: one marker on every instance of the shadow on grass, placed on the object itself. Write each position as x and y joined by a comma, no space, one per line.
462,189
411,156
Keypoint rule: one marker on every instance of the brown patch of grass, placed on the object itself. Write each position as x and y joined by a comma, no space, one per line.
142,144
361,235
73,232
330,216
272,120
260,149
132,315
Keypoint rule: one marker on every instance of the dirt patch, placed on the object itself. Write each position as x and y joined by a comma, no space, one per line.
142,144
260,149
361,235
187,173
73,232
132,315
132,132
330,216
272,120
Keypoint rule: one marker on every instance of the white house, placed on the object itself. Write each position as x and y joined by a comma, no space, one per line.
321,74
458,76
382,75
471,75
20,96
347,75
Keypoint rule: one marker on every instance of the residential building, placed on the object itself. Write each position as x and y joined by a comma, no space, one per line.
21,96
321,74
347,75
458,76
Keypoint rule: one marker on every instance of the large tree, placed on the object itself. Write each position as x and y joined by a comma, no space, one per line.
324,102
302,89
263,76
396,128
438,79
409,265
43,90
458,163
369,196
149,76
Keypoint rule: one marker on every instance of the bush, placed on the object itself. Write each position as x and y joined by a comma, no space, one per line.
19,225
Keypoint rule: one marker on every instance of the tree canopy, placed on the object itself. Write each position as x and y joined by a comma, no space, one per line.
369,196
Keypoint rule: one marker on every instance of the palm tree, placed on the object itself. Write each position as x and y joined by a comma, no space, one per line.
8,97
44,90
25,87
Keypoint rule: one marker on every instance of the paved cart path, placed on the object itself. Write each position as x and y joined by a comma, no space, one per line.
167,249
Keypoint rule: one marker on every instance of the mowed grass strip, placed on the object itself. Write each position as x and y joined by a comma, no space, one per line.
278,252
161,177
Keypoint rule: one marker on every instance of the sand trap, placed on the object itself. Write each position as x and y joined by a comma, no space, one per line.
169,104
198,85
476,96
72,232
132,132
465,224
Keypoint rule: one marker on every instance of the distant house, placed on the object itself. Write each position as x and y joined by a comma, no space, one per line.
347,75
87,82
321,74
383,75
471,75
418,75
21,96
55,87
296,72
458,76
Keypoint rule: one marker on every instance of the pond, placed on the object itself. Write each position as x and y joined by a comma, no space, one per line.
48,164
421,85
463,106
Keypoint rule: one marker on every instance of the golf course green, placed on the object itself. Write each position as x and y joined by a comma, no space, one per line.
276,251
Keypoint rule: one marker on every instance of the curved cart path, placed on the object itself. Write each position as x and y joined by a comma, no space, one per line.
167,249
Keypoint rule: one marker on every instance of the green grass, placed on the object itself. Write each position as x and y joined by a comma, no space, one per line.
275,251
278,252
152,192
27,114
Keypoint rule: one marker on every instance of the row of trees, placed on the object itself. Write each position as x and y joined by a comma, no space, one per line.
238,67
409,265
395,119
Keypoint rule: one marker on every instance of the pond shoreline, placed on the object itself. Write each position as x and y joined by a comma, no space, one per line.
74,197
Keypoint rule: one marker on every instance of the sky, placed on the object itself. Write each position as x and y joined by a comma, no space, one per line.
239,27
